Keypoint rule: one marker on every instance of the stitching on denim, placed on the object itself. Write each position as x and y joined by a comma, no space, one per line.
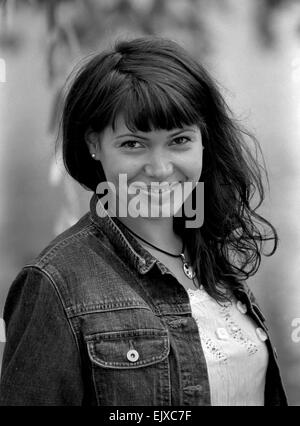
154,308
167,371
95,388
193,388
139,332
116,229
178,323
101,310
51,280
144,268
169,381
63,243
182,308
128,364
111,252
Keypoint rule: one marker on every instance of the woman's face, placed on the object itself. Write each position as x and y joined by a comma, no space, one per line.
167,159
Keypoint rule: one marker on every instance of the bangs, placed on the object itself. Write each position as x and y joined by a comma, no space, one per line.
147,107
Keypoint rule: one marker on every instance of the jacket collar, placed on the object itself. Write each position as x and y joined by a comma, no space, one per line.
125,244
134,253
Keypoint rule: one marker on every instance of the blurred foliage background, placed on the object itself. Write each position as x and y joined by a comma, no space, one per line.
252,47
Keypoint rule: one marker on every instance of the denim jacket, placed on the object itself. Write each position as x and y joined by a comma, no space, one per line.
95,319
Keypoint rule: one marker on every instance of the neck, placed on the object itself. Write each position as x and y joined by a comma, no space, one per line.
156,231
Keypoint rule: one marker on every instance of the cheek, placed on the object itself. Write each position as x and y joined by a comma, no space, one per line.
121,166
114,166
129,167
193,169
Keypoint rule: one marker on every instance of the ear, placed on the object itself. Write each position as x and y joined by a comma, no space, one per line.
92,140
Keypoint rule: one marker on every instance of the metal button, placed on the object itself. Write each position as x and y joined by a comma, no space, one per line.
222,333
241,307
262,335
132,355
142,263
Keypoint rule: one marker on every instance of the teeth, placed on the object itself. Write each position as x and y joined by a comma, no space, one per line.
157,190
162,188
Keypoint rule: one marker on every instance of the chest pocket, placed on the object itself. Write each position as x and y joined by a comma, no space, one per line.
130,367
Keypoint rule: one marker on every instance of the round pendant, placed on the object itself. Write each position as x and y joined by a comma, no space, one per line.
188,270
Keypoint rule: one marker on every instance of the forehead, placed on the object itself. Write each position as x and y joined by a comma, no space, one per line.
120,128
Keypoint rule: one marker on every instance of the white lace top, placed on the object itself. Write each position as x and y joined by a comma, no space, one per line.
234,348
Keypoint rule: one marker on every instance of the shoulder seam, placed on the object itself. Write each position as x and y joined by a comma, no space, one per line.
53,283
59,244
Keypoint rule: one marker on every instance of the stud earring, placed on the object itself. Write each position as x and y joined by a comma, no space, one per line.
93,155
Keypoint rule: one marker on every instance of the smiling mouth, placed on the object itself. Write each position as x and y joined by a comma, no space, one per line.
159,189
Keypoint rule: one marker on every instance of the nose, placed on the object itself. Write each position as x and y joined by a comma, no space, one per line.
159,167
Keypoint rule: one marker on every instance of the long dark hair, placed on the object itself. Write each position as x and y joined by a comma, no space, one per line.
155,84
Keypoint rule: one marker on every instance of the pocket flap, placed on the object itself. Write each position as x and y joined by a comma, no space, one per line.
128,348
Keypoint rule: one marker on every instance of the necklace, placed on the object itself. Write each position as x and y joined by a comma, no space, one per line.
187,268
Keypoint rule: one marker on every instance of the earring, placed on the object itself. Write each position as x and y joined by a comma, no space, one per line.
93,155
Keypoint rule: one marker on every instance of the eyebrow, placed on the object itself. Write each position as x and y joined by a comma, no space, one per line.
177,132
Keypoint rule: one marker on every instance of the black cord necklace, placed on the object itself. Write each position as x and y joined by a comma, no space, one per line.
187,268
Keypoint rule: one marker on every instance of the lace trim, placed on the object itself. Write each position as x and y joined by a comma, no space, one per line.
213,348
238,334
234,330
199,294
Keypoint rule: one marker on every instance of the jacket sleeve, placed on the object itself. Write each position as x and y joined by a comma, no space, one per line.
41,361
254,302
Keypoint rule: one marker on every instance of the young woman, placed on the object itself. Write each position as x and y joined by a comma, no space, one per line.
144,302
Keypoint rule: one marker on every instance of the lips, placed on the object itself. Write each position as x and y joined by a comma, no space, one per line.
156,189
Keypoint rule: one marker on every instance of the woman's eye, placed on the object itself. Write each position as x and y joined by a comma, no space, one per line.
130,144
182,140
